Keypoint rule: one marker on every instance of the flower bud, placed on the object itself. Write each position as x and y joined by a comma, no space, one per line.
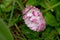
33,19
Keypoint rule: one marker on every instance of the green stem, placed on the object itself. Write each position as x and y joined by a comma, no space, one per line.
17,28
48,5
12,11
19,31
17,36
20,5
52,7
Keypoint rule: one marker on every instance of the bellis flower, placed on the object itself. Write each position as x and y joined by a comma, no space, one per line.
33,19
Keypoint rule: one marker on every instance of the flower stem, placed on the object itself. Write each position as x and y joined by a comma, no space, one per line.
48,5
52,7
11,15
20,5
19,31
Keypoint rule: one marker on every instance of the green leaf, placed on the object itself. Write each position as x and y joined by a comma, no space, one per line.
50,19
6,6
5,30
29,33
41,2
52,2
2,37
47,3
57,10
20,1
46,33
49,34
31,2
58,30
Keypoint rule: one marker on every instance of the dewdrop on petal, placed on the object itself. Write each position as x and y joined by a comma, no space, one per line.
33,19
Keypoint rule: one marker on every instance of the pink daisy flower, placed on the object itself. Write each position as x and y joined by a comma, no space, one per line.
33,19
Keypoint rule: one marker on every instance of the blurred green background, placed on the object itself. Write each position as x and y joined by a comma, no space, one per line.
12,26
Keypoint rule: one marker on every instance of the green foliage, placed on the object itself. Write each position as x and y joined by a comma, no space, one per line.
31,2
4,31
42,3
58,30
49,34
2,37
11,14
29,33
6,6
52,2
57,10
50,19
